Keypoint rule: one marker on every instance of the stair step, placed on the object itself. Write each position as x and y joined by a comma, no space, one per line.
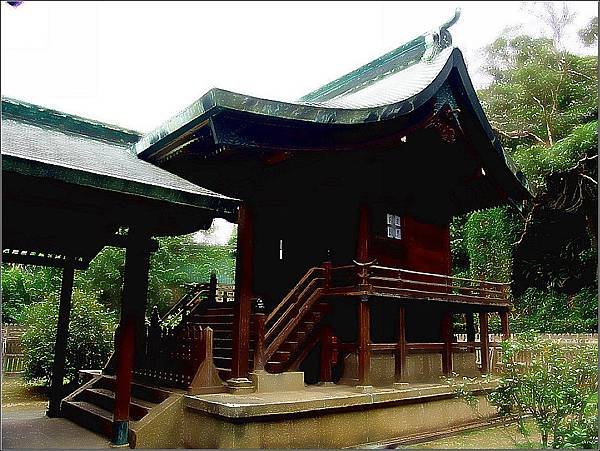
138,390
89,416
105,399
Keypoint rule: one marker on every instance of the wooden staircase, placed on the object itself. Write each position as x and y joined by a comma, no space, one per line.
92,405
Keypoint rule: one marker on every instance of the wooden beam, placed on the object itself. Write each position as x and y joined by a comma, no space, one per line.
446,332
364,341
60,346
325,374
131,328
244,278
485,345
400,360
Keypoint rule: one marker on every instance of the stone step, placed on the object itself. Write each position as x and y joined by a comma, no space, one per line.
105,399
138,390
89,416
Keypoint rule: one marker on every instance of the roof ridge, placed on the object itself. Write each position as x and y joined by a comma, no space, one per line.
408,54
65,122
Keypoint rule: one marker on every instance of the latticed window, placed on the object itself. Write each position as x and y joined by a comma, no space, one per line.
394,226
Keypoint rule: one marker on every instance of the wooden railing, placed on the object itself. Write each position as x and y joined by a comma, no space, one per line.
178,357
13,361
407,283
274,329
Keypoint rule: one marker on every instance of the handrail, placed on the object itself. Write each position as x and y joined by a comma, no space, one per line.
185,299
275,326
270,350
433,284
292,292
443,276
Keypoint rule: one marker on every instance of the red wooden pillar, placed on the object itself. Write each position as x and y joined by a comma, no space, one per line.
243,292
131,327
62,336
259,328
364,341
484,338
504,324
362,244
400,359
447,339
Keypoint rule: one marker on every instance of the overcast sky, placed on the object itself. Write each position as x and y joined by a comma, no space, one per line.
135,64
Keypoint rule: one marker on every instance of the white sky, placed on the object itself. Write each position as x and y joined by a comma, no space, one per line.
135,64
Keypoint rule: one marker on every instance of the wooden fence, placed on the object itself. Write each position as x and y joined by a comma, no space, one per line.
12,349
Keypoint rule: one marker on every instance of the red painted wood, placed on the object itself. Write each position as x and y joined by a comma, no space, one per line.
364,341
243,292
400,360
363,241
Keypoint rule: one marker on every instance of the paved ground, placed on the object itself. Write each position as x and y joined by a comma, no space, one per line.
25,424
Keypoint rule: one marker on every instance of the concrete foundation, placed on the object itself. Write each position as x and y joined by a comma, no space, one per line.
326,417
420,367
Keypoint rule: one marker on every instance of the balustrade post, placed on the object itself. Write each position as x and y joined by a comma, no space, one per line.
259,323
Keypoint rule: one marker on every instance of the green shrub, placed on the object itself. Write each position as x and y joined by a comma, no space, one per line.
90,336
557,386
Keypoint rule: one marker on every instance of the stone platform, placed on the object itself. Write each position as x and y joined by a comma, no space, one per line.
326,416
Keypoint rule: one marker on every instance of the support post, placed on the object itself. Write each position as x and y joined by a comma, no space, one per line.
485,345
60,346
243,293
447,339
326,354
470,325
400,360
504,324
364,341
131,327
259,323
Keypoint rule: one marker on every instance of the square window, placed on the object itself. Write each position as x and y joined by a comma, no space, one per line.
394,226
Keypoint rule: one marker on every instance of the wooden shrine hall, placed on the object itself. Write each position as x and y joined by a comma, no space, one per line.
343,201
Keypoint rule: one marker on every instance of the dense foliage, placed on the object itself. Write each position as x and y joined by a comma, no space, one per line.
178,261
90,336
542,104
